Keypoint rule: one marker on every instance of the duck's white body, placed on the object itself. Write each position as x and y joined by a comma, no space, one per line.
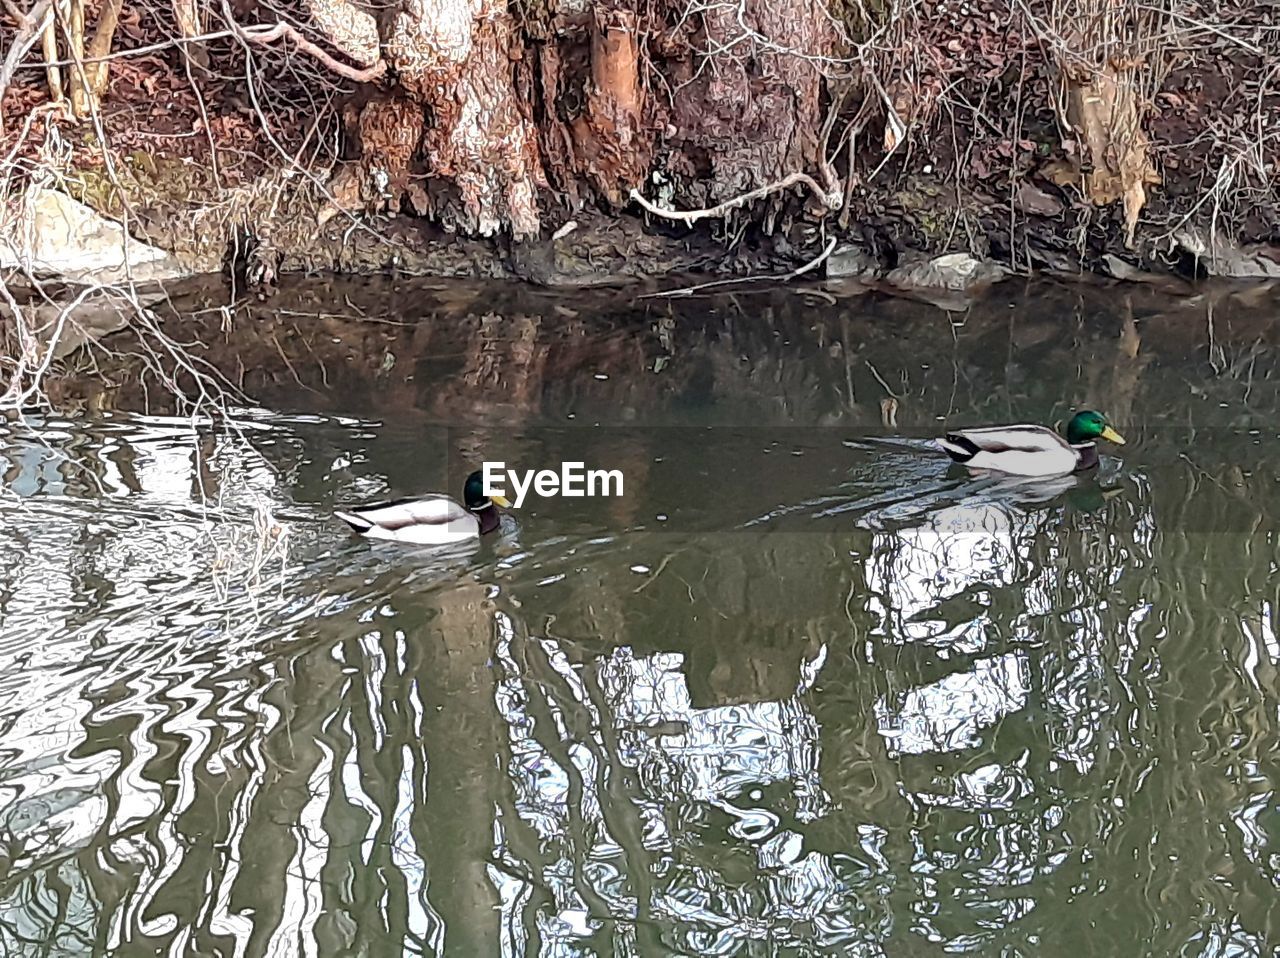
1032,451
425,520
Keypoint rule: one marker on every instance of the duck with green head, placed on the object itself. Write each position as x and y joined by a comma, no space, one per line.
433,519
1035,451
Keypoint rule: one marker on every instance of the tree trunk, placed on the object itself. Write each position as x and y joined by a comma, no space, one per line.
609,143
751,116
564,100
90,70
389,130
191,25
49,41
455,58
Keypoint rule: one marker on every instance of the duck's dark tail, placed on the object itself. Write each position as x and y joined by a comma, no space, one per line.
355,522
959,448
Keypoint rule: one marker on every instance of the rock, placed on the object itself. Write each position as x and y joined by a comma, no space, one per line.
65,316
853,261
1032,200
955,272
47,232
1129,273
99,314
1223,258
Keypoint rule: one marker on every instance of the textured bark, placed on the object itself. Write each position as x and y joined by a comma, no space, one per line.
596,120
613,147
751,116
455,57
350,27
389,130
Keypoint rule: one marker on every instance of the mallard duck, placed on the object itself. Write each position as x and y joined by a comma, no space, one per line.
433,519
1032,450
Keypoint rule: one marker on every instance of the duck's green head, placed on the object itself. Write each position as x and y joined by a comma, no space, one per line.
1087,425
473,496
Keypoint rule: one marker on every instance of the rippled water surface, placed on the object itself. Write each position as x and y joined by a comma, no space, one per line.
804,689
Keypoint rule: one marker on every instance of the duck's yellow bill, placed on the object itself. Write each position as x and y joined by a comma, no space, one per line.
1110,435
506,503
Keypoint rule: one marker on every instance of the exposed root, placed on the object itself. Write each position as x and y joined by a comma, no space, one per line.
832,199
266,35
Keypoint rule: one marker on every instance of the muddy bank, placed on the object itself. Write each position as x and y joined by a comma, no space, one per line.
271,229
923,236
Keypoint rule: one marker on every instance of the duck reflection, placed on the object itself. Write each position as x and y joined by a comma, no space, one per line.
970,582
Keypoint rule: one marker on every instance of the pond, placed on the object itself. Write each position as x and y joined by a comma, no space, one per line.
804,688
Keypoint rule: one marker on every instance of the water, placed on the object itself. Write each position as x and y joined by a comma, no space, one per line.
803,690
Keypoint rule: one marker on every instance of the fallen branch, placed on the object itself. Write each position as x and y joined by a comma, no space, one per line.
798,271
831,199
263,35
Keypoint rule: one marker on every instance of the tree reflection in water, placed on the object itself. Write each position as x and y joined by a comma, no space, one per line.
628,802
864,707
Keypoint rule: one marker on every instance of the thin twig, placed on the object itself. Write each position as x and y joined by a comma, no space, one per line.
799,271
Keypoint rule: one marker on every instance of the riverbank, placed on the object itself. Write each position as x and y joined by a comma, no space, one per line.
620,146
283,221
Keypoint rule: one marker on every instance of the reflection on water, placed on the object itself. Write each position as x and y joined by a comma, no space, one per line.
801,691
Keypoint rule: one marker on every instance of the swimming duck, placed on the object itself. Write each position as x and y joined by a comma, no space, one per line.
433,519
1033,451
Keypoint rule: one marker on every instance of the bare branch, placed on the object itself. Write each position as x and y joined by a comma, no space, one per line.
262,35
30,29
